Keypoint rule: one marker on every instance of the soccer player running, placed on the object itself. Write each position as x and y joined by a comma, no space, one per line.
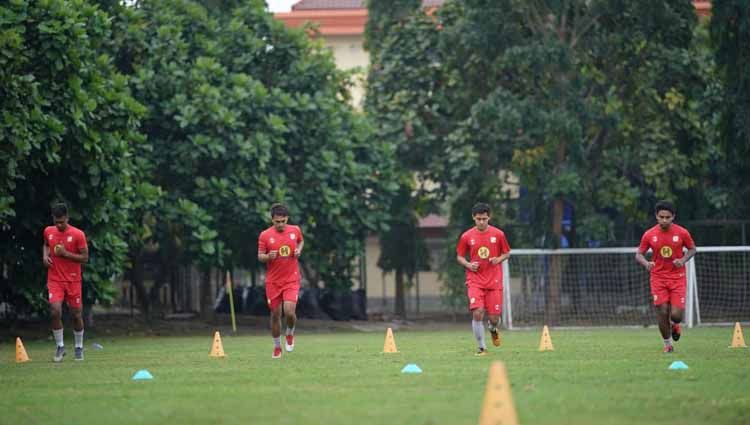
279,247
668,281
63,252
487,249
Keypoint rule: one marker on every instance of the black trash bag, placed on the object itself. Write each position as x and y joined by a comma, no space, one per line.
337,303
308,305
359,305
254,301
221,304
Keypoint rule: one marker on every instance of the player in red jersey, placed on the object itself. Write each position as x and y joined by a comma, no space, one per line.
667,266
63,252
487,249
279,247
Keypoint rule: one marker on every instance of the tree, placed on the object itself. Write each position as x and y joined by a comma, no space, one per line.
244,113
69,133
730,35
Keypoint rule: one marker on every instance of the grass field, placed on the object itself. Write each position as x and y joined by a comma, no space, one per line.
598,376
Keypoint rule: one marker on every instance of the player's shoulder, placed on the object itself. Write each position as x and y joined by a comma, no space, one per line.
76,231
264,234
468,232
496,230
49,229
679,229
294,228
652,230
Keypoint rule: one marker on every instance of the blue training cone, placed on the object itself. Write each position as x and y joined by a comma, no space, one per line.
411,368
142,374
678,365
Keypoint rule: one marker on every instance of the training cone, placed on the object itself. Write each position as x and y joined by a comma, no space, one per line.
738,340
411,368
498,405
143,375
217,350
678,365
390,344
545,344
21,356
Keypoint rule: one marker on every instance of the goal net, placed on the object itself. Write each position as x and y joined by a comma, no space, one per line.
606,287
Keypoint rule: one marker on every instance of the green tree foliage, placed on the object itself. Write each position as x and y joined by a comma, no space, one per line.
730,35
68,133
244,113
403,69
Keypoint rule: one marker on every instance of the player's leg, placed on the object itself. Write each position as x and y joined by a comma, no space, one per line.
493,305
677,310
274,297
476,306
290,296
73,299
660,294
56,297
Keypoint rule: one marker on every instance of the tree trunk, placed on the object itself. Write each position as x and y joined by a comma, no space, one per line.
136,279
400,294
207,311
555,272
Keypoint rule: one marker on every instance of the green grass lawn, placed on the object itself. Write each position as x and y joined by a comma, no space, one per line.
598,376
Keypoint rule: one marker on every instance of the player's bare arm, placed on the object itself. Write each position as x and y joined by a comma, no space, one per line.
81,257
266,257
644,262
298,250
688,255
473,266
46,259
500,259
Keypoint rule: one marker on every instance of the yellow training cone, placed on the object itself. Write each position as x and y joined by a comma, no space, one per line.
217,350
545,344
390,343
738,340
498,405
21,356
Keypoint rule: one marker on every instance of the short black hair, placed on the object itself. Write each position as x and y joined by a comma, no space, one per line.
664,206
279,210
480,208
59,210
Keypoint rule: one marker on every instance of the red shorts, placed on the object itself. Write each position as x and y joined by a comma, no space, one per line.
490,299
670,291
68,291
278,292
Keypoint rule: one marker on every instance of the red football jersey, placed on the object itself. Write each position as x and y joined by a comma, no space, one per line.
285,267
666,246
63,269
481,246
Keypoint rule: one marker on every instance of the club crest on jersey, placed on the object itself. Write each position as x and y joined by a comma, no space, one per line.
70,238
50,237
493,239
472,300
471,242
292,236
666,251
654,239
271,240
675,238
483,252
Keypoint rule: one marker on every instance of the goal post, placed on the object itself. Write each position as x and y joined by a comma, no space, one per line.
607,287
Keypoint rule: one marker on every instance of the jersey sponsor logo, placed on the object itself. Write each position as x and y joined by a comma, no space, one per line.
292,236
493,239
666,251
483,252
285,251
675,238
